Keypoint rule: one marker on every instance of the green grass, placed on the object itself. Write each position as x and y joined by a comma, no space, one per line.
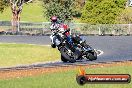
32,12
17,54
66,79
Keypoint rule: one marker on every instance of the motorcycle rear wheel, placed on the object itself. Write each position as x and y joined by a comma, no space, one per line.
63,59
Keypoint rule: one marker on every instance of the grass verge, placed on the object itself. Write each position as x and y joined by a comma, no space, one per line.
66,79
18,54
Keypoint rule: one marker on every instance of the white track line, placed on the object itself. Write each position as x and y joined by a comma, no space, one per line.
101,52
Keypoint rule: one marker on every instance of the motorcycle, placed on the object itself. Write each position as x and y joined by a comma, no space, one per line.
72,53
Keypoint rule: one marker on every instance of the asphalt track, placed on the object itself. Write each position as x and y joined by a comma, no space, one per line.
115,48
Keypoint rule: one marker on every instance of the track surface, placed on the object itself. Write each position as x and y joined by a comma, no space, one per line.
115,48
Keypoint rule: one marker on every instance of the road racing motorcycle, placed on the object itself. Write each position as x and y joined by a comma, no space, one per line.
71,53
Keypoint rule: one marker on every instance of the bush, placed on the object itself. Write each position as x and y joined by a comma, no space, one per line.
62,9
102,11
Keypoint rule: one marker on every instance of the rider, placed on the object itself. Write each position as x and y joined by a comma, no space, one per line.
55,25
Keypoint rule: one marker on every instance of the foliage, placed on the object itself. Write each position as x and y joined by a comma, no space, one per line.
78,6
3,4
102,11
125,17
63,9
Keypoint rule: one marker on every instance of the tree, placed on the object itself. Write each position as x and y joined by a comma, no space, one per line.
102,11
63,9
16,7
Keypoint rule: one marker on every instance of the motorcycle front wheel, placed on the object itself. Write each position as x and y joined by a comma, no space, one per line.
91,55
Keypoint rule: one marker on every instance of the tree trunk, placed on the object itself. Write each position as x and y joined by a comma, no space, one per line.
16,21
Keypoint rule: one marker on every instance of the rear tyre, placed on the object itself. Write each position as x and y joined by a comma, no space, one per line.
65,56
72,60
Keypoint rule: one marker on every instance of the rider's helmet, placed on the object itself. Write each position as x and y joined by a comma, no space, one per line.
53,19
